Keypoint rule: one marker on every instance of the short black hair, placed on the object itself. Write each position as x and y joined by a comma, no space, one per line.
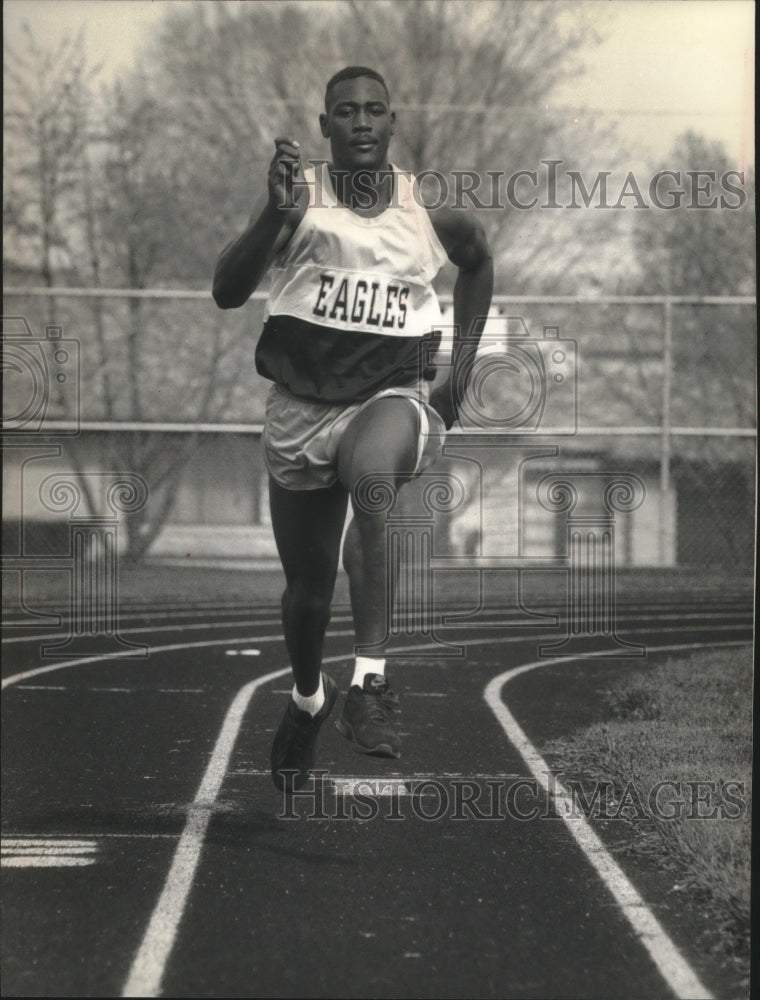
351,73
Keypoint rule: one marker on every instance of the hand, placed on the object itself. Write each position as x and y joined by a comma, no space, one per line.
285,170
442,401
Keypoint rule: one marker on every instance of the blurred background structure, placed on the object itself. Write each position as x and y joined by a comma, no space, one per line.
122,186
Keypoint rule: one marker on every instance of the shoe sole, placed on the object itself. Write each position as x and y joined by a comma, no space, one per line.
381,750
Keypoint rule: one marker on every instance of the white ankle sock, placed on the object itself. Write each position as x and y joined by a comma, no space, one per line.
313,702
367,665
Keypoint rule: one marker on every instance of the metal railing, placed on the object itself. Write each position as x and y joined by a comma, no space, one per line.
19,300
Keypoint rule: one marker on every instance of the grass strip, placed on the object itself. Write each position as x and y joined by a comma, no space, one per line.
674,756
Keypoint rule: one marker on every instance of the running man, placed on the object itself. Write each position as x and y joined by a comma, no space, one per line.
352,322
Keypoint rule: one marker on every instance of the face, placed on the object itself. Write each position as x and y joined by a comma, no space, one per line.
359,124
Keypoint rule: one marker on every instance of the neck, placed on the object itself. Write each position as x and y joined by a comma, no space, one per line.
367,191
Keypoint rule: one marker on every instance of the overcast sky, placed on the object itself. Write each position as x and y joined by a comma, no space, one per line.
665,66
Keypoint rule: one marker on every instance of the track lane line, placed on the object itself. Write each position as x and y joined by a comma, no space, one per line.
25,675
149,965
671,964
195,626
630,612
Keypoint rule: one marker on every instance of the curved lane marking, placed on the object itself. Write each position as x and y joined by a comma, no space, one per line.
150,961
191,627
459,623
671,964
149,965
25,675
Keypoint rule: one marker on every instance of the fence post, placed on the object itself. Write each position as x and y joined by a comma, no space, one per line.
666,555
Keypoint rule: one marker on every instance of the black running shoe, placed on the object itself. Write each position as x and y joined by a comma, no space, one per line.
296,739
367,717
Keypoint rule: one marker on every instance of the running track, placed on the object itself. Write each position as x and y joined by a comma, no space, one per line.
147,853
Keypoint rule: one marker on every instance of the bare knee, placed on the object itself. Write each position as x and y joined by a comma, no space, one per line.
364,544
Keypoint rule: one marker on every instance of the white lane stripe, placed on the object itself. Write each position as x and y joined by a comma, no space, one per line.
414,785
377,787
42,687
21,839
28,861
249,616
407,694
537,637
48,850
672,965
155,612
411,778
492,619
46,842
107,690
149,965
397,784
39,852
103,657
190,627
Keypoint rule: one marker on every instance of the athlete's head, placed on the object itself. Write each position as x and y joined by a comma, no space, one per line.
353,73
358,119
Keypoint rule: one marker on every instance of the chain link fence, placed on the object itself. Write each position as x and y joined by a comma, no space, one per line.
144,407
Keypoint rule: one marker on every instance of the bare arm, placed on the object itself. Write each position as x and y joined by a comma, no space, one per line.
244,262
464,240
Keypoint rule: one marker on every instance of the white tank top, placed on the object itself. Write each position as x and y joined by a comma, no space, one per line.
352,309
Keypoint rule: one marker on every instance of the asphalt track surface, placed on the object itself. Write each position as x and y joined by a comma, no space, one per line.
146,851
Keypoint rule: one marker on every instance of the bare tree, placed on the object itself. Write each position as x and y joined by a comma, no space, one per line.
705,247
45,92
164,363
93,200
472,85
46,135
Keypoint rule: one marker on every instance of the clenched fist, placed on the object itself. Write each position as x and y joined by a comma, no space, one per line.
285,171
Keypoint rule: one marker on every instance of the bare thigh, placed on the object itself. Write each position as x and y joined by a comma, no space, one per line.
380,442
